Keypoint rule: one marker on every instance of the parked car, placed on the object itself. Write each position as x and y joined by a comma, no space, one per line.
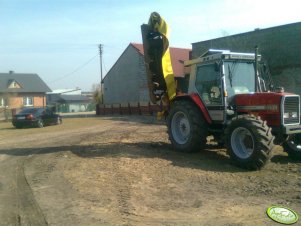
36,117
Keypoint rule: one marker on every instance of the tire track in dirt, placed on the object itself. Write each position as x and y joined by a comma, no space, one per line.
18,205
9,204
123,196
30,212
68,140
122,179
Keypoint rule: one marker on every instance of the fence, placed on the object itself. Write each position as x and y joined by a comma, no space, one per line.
138,108
7,113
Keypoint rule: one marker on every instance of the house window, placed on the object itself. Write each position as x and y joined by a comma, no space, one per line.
14,85
28,101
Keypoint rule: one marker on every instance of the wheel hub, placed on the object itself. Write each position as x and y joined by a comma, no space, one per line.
180,128
184,127
242,142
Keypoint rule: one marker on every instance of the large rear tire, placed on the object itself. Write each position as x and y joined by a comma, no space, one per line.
186,127
249,142
293,146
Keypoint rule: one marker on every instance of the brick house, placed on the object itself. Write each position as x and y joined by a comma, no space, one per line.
19,90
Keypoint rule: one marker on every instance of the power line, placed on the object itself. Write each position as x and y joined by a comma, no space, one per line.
72,72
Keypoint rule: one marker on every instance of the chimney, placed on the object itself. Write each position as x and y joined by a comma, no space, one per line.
11,72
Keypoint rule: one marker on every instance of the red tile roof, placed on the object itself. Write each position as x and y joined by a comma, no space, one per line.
178,56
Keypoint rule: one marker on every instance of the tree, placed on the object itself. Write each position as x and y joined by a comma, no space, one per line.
97,93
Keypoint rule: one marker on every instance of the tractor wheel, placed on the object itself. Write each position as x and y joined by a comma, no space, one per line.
186,127
249,141
293,146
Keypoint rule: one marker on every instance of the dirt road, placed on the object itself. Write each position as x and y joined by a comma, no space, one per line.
123,171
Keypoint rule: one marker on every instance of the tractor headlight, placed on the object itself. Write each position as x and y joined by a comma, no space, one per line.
286,115
294,114
290,115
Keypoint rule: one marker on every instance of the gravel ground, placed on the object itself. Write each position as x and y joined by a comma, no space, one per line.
123,171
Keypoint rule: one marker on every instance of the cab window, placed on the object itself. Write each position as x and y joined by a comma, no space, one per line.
208,84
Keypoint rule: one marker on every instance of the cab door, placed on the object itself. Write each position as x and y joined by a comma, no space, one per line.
209,85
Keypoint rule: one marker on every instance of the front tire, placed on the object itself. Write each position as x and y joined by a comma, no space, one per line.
186,127
293,146
249,142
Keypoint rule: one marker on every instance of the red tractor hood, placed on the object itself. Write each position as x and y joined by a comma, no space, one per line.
266,105
255,99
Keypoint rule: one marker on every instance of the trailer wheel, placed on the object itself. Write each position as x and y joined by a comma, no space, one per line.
293,146
186,127
249,141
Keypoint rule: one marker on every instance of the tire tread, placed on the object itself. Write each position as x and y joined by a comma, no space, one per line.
263,141
199,133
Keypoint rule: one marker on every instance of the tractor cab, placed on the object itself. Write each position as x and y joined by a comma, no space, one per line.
219,75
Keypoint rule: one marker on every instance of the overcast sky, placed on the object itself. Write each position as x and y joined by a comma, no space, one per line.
58,39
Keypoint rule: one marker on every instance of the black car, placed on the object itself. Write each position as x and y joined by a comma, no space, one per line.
36,117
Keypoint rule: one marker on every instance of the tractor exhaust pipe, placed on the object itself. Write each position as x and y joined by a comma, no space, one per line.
256,59
257,85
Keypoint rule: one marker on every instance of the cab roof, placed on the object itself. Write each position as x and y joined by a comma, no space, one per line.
219,54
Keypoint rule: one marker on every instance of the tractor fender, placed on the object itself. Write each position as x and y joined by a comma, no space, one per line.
194,97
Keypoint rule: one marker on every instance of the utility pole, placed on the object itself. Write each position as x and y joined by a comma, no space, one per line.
100,55
101,77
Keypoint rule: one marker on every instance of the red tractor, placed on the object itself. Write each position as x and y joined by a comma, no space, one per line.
227,96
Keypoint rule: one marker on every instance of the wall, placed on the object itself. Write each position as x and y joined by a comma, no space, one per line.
279,46
16,101
126,81
143,87
39,101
